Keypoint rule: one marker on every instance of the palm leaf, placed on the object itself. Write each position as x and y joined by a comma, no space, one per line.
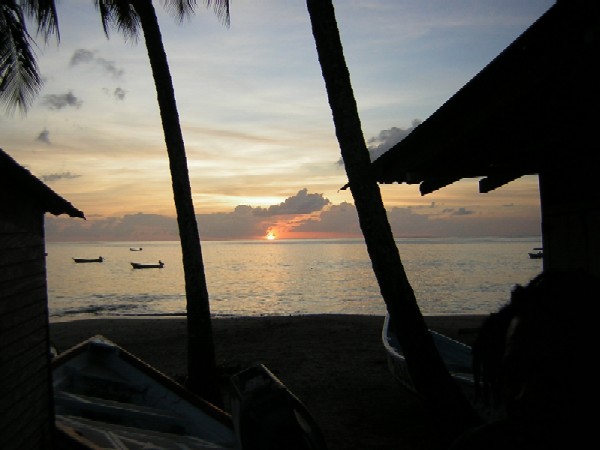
44,13
20,81
184,9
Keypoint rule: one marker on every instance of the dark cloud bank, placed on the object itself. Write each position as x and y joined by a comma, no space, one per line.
301,215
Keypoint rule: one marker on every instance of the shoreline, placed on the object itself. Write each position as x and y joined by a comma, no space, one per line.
335,364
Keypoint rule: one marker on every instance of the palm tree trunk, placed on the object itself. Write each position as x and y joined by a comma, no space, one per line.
427,370
202,374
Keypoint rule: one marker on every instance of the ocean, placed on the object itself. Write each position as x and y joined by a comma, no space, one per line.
296,277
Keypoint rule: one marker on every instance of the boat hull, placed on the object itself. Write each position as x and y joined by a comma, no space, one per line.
160,265
105,394
456,355
89,260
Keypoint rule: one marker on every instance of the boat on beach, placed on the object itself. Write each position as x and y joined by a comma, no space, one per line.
99,259
135,249
106,396
158,265
537,253
456,355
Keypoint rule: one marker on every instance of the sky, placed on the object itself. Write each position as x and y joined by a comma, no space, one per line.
259,136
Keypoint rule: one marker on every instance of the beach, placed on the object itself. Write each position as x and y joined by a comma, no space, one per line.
335,364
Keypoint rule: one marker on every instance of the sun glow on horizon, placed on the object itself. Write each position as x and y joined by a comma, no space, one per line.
270,236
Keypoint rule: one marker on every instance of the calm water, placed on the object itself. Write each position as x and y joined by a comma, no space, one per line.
449,276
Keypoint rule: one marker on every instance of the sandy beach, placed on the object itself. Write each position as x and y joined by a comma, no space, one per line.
335,364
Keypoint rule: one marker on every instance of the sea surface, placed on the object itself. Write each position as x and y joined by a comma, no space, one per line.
256,278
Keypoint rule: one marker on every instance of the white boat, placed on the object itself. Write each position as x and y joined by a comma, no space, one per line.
105,396
458,358
160,265
456,355
135,249
99,259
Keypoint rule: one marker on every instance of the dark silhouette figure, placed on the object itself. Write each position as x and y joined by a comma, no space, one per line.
533,361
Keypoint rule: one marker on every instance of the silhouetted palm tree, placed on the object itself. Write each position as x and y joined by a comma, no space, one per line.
20,80
427,370
128,16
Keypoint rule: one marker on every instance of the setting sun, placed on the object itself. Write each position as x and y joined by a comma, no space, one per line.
270,236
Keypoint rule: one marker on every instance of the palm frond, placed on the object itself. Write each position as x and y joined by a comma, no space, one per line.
221,8
20,81
185,8
120,15
44,12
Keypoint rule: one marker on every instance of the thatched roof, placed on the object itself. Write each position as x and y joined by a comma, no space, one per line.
532,109
15,178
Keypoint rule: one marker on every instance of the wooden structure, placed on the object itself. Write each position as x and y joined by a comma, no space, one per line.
26,412
530,111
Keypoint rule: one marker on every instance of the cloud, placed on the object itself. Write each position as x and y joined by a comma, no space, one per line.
131,227
342,219
244,222
44,137
59,176
299,216
386,139
60,101
119,93
82,56
301,203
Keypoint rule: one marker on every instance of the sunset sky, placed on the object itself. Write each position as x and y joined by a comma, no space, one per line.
260,141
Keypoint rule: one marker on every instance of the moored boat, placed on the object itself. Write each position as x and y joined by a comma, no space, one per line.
160,265
537,253
107,396
99,259
135,249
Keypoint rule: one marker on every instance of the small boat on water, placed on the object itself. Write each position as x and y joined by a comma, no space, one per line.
537,253
99,259
160,265
107,397
135,249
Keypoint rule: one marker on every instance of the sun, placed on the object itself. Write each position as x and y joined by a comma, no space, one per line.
270,236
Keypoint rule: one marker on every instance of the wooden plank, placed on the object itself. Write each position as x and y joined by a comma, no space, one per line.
37,384
21,388
23,361
31,340
18,255
18,218
21,270
28,438
15,310
25,287
14,347
26,397
20,238
29,421
12,336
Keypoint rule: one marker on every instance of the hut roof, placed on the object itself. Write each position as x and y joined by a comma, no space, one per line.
530,110
15,177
